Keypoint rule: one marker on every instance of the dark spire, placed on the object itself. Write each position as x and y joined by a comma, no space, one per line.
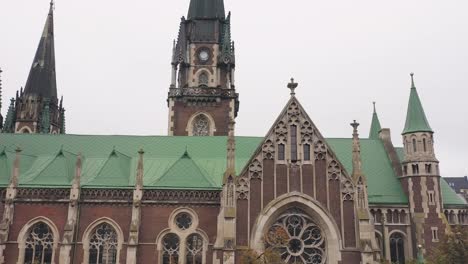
1,117
41,80
206,9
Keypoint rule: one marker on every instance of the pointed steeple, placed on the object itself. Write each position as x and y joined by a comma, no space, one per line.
1,117
375,126
416,120
206,9
10,118
42,80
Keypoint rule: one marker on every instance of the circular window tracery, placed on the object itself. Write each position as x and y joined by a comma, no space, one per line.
297,238
183,221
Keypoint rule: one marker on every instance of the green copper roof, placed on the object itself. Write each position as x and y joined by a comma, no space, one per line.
383,186
176,175
206,9
416,120
449,196
111,162
375,126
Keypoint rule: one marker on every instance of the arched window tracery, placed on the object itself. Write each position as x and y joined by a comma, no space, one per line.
297,238
201,126
171,248
203,79
103,245
182,242
39,244
194,247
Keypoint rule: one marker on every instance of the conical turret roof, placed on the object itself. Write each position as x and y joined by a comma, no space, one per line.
416,120
375,126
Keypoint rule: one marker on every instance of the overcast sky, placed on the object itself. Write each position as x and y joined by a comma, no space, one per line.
113,63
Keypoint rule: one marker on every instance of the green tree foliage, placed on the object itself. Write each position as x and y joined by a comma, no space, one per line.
452,249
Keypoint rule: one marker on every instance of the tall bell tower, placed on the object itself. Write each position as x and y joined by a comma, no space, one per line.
421,175
202,98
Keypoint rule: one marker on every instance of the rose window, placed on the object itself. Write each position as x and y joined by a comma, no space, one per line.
297,238
183,221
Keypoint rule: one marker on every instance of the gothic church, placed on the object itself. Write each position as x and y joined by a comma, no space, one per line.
201,195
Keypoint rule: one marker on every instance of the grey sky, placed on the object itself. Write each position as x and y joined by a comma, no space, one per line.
113,63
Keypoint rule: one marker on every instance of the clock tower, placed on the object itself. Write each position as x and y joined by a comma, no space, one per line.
202,98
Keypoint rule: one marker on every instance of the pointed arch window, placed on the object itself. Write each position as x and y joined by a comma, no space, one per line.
397,248
194,249
201,126
306,152
425,144
281,152
39,244
415,147
171,248
103,245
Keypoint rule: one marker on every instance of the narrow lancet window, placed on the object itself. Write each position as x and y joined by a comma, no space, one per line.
293,143
306,152
281,152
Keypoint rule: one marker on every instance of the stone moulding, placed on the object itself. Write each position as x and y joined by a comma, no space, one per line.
117,196
202,91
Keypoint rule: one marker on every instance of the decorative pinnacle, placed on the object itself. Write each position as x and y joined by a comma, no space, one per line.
141,151
355,125
375,111
292,86
412,80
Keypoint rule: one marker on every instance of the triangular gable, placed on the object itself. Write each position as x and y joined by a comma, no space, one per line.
115,171
57,170
185,172
294,114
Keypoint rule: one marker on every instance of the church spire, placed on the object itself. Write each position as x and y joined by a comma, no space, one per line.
1,117
416,120
206,9
42,80
375,126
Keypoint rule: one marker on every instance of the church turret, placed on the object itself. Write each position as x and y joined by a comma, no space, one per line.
40,93
375,126
202,97
421,176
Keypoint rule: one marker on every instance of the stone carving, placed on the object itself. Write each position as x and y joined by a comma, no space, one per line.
256,170
320,150
201,126
294,114
162,196
202,91
243,189
347,190
334,170
281,133
268,150
43,194
107,194
307,132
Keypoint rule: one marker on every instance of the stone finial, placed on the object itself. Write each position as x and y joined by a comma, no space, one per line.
292,86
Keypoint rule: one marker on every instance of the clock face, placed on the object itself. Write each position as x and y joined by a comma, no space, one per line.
203,55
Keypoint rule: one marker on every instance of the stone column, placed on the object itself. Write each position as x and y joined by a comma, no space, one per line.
136,213
73,214
8,213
